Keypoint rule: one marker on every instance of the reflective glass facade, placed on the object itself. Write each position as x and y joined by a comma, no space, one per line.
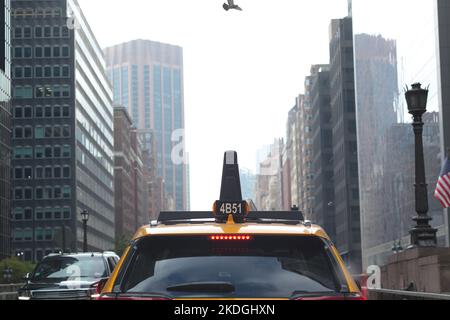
152,89
388,56
62,131
5,128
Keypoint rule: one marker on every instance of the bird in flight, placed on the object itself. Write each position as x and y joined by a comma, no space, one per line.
231,5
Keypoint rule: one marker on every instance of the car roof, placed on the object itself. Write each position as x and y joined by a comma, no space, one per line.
82,254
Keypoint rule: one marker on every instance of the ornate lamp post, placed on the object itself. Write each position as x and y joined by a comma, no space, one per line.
85,218
422,234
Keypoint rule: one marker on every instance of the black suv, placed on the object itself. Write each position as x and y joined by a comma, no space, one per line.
68,276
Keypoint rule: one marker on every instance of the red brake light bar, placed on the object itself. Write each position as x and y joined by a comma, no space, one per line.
231,238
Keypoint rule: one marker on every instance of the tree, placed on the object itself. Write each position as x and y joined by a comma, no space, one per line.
121,245
19,269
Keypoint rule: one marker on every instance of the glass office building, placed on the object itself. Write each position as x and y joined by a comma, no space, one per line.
62,131
5,128
395,45
147,78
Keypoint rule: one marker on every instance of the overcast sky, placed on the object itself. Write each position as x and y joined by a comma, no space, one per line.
242,70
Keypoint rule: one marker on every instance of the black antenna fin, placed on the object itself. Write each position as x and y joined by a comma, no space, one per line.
231,182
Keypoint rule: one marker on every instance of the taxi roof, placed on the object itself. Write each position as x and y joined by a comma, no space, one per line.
215,228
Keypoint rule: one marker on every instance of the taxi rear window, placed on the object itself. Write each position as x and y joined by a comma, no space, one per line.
209,266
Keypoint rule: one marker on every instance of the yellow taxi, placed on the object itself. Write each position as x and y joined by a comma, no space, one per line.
230,253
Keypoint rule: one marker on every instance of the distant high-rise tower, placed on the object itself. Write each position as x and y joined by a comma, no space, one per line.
147,78
350,8
345,156
5,129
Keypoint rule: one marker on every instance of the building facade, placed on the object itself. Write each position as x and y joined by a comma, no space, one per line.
306,168
62,131
147,78
5,128
268,188
322,140
345,148
130,177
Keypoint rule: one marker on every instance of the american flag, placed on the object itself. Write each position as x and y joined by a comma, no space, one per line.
443,186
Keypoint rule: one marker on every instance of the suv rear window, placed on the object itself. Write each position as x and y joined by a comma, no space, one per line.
263,267
63,268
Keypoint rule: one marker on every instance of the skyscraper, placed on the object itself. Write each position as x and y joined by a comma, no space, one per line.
345,156
147,78
62,131
5,128
322,141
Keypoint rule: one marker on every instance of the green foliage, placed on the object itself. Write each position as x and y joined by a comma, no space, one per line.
121,245
19,269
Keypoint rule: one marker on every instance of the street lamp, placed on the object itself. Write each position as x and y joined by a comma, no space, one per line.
85,218
422,234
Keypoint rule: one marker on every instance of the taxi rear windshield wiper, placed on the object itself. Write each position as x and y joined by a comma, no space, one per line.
309,294
204,287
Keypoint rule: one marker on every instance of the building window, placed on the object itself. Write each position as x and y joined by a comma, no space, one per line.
39,175
38,112
18,72
56,111
18,214
27,32
57,172
39,234
39,214
18,173
66,213
47,32
67,192
27,52
48,111
47,52
38,52
65,71
67,151
18,52
57,152
28,214
18,33
56,32
17,235
38,72
28,112
39,132
48,174
56,52
48,72
65,51
66,172
23,92
38,32
28,193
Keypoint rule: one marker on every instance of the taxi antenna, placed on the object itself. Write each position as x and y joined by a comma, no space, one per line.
231,182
